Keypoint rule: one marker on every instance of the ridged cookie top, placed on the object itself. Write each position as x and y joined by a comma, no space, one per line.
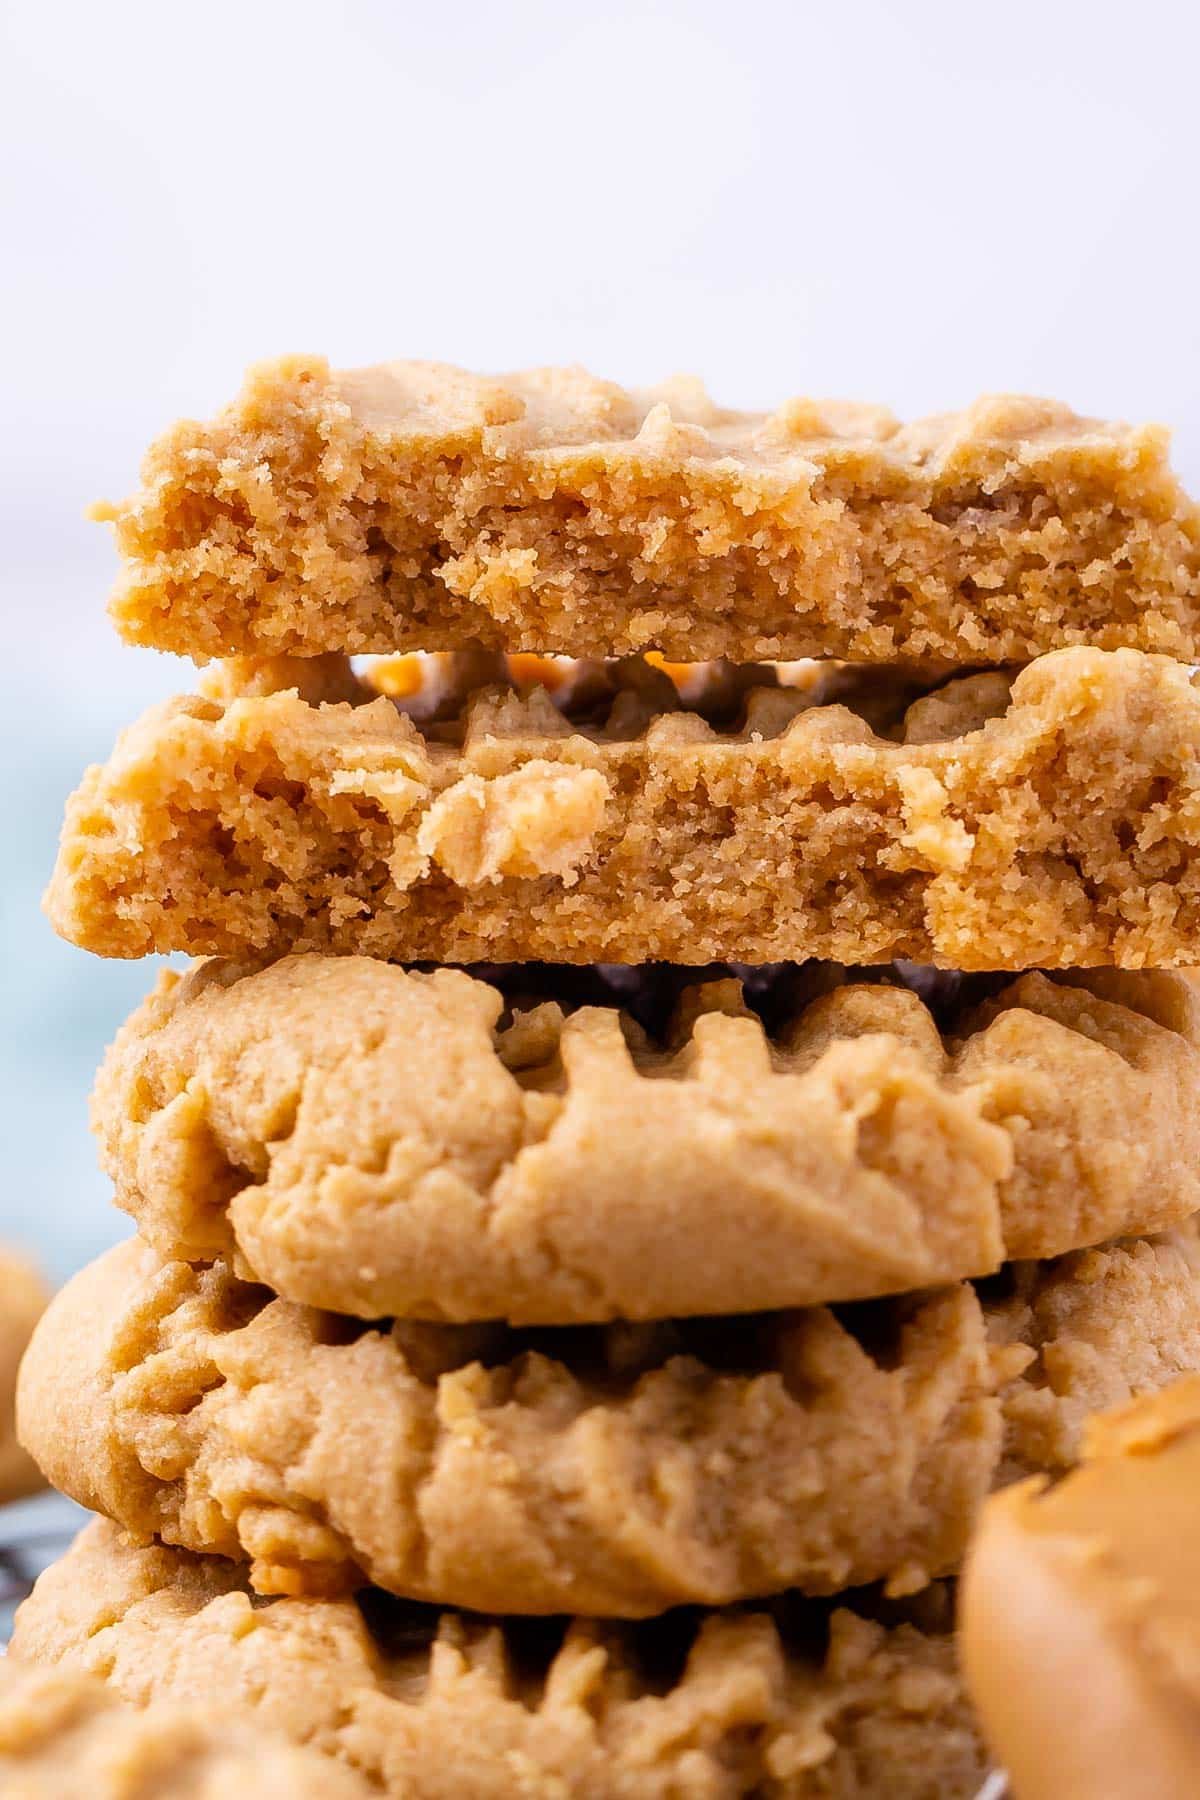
387,1143
417,506
614,1470
786,1703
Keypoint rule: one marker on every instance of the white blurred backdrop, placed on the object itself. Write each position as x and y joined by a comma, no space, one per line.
897,203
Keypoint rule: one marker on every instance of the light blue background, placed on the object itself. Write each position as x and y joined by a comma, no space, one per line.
60,1005
904,204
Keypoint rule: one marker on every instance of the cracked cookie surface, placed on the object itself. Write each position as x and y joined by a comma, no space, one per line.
783,1703
415,505
1051,819
66,1736
612,1470
433,1145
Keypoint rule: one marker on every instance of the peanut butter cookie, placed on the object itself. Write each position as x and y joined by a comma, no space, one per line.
417,505
786,1703
613,1470
1049,820
65,1736
23,1297
378,1142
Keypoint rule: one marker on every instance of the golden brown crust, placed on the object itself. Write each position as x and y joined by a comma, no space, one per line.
379,1142
779,1704
615,1470
1054,824
414,505
65,1736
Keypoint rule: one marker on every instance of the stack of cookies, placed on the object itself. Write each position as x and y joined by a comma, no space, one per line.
576,1371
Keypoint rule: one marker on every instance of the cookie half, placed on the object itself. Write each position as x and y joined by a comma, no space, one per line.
612,1470
786,1702
66,1734
379,1142
416,504
1052,820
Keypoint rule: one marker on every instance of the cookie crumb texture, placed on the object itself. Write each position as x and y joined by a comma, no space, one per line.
785,1703
1049,820
435,1145
611,1470
64,1734
415,505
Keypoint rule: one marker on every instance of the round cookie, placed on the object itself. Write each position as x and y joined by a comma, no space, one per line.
783,1703
65,1734
385,1143
613,1470
23,1297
